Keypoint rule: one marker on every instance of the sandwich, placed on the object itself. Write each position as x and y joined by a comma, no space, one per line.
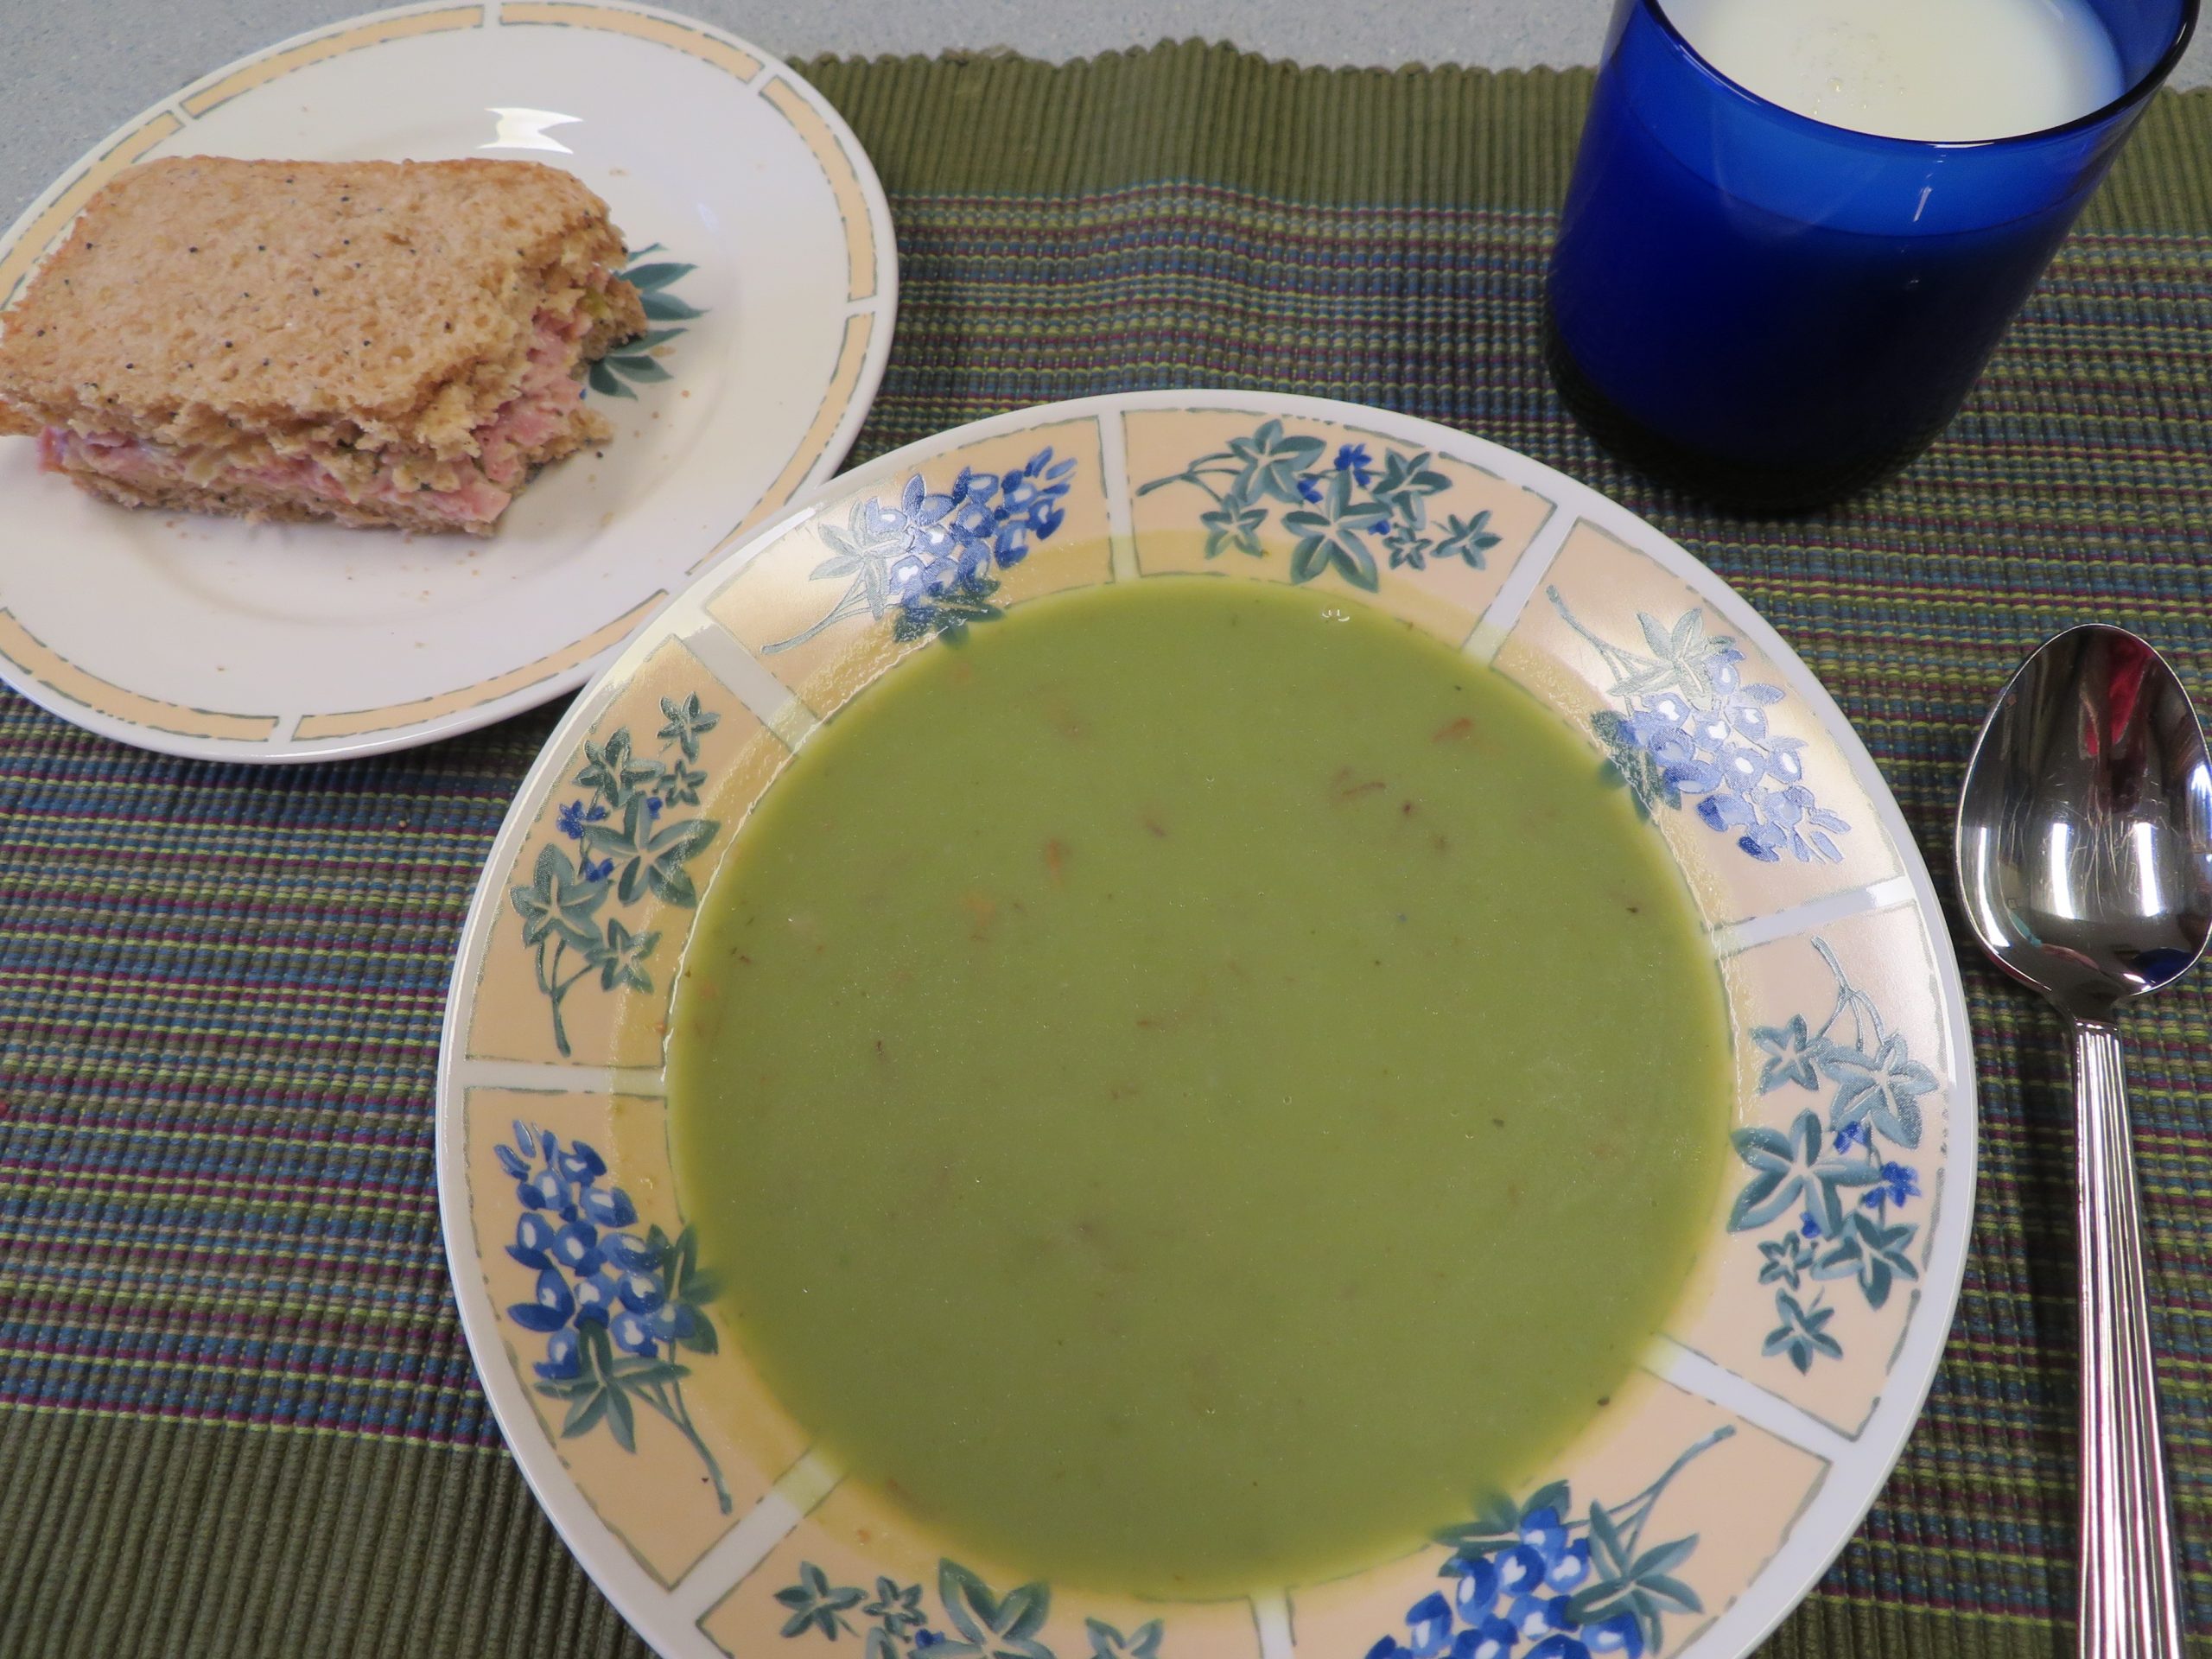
379,343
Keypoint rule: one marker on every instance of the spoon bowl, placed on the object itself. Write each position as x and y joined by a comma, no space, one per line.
2085,826
2085,868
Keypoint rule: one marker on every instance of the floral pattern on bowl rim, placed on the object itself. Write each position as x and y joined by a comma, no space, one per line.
1679,689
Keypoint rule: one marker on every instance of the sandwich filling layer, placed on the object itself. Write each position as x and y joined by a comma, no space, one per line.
543,420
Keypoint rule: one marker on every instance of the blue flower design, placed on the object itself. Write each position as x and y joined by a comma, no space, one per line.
1691,726
1809,1224
596,1296
1544,1578
1477,1582
930,556
599,1288
549,1308
1309,490
1491,1638
1899,1183
1619,1634
574,815
594,871
563,1357
1535,1616
1428,1626
1354,459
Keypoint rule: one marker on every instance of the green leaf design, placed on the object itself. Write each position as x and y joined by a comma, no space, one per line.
1781,1166
633,367
1802,1334
1790,1172
682,786
1273,462
624,953
1107,1642
1663,1557
558,901
1329,536
948,615
1607,1553
560,907
621,1420
1677,661
1872,1252
614,773
1235,522
584,1415
646,278
1554,1497
631,360
1468,540
995,1627
1406,484
687,722
817,1605
899,1609
1793,1054
666,308
663,859
1672,1594
1497,1515
1786,1261
1882,1092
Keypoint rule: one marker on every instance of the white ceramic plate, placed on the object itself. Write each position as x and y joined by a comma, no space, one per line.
213,638
1730,1467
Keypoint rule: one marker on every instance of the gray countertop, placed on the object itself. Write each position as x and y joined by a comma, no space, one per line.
70,74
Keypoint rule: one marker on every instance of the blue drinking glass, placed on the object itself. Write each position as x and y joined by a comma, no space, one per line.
1774,312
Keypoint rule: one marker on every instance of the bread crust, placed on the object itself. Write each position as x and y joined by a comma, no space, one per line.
202,300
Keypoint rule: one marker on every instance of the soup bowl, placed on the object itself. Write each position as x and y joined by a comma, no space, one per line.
1706,1494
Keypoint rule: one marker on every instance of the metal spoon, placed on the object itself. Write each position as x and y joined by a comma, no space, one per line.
2085,865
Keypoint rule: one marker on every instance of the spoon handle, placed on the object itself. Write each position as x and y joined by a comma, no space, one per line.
2130,1607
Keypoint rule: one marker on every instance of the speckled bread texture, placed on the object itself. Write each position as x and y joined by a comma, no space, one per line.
199,300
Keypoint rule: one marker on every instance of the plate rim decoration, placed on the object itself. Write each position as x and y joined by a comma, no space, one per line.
470,687
1800,823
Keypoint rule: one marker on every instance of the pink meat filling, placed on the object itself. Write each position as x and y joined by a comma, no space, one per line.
536,413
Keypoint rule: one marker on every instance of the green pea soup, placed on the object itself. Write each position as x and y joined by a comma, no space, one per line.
1186,1085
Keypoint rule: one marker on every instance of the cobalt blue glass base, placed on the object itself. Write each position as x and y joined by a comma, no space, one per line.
1774,313
1732,482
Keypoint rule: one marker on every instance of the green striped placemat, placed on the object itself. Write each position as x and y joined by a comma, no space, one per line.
236,1413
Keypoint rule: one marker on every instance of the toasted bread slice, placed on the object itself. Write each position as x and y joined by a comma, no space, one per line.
198,298
374,342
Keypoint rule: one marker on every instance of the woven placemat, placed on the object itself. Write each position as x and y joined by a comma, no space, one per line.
236,1413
